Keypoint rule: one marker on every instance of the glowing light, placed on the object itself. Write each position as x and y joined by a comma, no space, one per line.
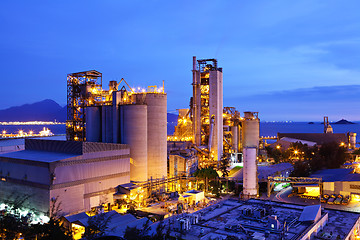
296,152
278,146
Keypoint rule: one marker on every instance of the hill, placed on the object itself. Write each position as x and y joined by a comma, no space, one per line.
343,121
49,110
46,110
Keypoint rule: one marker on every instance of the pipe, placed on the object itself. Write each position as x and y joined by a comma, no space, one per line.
212,121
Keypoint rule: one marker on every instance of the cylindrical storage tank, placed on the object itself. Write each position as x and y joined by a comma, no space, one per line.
93,124
133,131
250,181
235,138
352,140
157,132
251,130
107,124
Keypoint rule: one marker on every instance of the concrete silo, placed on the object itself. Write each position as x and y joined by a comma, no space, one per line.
107,124
134,131
235,138
93,124
251,130
156,131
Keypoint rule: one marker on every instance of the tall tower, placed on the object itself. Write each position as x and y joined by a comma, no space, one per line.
207,106
250,148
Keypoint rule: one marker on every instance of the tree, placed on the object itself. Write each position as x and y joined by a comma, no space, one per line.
206,174
52,230
224,164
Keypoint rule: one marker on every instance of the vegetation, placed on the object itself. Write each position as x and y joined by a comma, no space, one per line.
224,164
14,224
206,174
234,170
133,233
307,159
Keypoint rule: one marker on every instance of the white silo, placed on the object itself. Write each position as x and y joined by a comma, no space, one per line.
133,130
250,180
156,132
251,131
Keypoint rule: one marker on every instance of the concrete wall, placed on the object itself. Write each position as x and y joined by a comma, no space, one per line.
89,180
78,183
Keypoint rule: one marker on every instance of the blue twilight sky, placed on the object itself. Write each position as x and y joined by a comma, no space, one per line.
289,60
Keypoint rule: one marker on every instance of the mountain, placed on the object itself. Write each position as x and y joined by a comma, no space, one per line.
171,123
46,110
49,110
343,121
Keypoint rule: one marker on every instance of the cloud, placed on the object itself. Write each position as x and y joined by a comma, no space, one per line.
304,104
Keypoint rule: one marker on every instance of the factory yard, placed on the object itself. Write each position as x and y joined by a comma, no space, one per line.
283,196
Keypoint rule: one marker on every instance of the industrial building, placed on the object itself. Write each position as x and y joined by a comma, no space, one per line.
207,106
284,140
136,117
341,181
216,132
76,175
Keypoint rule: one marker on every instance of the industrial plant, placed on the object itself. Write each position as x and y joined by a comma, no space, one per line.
118,157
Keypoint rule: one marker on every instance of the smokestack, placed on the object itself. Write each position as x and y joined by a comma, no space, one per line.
194,63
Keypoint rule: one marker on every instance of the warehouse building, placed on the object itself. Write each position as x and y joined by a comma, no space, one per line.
78,175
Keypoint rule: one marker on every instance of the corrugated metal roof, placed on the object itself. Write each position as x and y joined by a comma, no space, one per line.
78,217
319,138
265,171
333,175
310,213
41,156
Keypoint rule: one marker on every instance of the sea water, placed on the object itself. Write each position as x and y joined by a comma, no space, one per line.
266,129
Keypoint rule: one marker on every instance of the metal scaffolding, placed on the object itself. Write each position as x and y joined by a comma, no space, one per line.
83,89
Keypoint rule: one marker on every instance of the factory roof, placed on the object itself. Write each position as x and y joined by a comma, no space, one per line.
338,174
80,218
286,141
319,138
193,191
310,213
129,186
71,147
39,156
244,219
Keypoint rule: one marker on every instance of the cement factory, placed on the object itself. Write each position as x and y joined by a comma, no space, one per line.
137,117
117,150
